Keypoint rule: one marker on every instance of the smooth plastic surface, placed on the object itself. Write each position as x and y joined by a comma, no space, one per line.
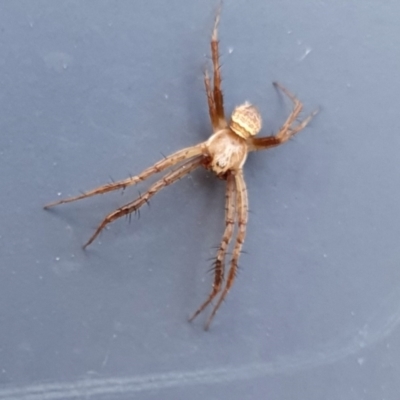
93,90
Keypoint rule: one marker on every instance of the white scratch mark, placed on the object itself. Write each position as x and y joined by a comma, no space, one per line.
306,53
377,328
106,357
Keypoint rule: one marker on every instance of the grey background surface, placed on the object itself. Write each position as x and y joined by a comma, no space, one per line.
96,89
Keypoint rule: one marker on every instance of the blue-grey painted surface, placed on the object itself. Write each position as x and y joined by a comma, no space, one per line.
95,89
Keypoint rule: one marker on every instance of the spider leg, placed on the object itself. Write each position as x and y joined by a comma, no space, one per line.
242,216
161,165
287,130
219,268
218,96
210,100
127,209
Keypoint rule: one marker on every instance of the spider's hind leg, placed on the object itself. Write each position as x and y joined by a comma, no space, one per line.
210,100
288,129
214,91
218,97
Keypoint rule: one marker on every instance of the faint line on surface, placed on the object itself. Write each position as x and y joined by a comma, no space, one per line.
378,327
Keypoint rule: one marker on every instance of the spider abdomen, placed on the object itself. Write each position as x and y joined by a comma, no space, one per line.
246,120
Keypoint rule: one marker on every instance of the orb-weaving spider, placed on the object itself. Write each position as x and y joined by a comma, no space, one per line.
224,153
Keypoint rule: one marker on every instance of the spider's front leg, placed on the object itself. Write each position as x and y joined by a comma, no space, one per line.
242,207
133,206
287,130
219,267
167,162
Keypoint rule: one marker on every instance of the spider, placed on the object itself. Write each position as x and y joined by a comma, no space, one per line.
224,153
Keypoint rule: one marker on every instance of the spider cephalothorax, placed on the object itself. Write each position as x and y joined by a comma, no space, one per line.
226,150
227,147
224,153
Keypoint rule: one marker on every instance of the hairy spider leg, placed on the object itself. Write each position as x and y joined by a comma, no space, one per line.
242,207
161,165
218,97
214,95
219,267
287,130
169,178
210,100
